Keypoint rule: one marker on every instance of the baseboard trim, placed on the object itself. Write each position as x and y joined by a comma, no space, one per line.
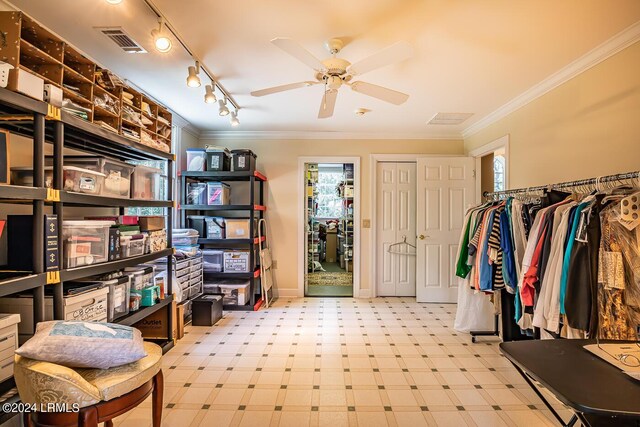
286,293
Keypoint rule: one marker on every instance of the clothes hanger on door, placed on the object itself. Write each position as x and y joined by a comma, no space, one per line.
405,243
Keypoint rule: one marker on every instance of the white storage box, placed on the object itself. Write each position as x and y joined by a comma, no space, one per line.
217,193
85,242
118,300
236,262
8,343
53,95
234,293
89,306
213,260
238,228
146,183
29,84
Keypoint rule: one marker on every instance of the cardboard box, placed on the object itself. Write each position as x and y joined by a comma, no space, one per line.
151,223
155,326
28,84
238,228
53,95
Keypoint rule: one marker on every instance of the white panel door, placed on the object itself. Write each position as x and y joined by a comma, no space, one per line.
445,187
395,213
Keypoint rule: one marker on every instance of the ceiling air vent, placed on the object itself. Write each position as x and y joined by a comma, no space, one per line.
122,39
449,118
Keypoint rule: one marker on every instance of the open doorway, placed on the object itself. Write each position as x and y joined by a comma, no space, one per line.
492,166
330,229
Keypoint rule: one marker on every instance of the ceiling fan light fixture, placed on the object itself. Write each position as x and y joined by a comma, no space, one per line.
234,119
209,96
223,110
193,80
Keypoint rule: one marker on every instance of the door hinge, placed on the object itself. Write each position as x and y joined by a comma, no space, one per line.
474,173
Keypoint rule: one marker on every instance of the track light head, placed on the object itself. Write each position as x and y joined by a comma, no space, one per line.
209,96
193,80
234,119
161,40
223,111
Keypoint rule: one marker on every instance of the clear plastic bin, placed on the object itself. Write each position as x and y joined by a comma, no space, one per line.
132,247
197,193
217,193
213,260
85,242
184,237
136,276
234,292
196,159
187,250
82,180
23,175
146,183
117,174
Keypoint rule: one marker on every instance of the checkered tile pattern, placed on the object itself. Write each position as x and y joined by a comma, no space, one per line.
341,362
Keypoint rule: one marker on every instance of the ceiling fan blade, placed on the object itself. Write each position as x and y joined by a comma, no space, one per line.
394,53
276,89
387,95
294,49
328,103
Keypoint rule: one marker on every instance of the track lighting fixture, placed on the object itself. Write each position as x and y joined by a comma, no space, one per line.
160,39
209,96
193,80
234,119
223,111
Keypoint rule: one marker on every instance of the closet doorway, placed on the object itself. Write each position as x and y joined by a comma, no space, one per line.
396,229
330,228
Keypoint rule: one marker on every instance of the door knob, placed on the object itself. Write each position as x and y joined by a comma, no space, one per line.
422,237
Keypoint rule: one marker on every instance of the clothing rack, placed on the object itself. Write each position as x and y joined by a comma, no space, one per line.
619,178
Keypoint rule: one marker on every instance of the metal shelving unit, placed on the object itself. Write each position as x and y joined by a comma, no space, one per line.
255,210
46,124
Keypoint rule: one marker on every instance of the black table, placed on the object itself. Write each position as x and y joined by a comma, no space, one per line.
598,392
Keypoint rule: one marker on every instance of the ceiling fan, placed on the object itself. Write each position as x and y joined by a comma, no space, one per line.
334,72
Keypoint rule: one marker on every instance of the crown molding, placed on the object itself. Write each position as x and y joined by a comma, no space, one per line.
615,44
275,135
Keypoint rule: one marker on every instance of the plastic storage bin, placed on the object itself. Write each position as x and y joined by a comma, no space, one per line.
244,160
146,183
118,297
217,193
196,159
117,175
82,180
213,260
184,237
197,223
215,227
196,193
85,242
218,158
136,276
238,228
133,245
23,175
234,292
236,262
156,241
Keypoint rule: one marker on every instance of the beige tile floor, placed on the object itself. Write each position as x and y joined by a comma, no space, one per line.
340,362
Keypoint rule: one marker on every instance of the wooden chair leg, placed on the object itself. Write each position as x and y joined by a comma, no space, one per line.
108,423
156,399
26,420
88,417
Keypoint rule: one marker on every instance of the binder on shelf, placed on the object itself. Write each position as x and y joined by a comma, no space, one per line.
51,244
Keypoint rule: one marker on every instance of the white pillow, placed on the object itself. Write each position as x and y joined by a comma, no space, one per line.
84,344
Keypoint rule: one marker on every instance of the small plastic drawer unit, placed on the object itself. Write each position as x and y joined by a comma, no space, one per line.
85,242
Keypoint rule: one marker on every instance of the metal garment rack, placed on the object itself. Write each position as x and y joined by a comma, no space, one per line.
621,178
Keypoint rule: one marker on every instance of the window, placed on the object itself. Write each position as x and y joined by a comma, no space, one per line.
498,173
329,201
